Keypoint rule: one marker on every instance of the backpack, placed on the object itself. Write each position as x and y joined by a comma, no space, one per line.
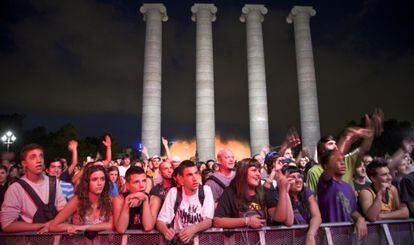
179,198
45,212
217,180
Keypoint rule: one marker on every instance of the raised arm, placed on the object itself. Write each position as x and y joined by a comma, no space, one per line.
73,148
108,153
292,140
283,212
369,138
353,134
166,147
144,152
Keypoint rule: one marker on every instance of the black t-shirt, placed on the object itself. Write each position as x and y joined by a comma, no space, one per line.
65,176
227,205
135,216
407,188
159,191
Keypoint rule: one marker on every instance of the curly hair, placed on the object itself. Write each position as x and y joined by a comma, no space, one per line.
240,185
82,191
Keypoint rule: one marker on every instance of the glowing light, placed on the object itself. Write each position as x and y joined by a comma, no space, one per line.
186,149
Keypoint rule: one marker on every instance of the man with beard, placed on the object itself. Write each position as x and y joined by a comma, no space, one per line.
222,178
159,191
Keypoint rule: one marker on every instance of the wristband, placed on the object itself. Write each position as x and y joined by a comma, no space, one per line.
246,222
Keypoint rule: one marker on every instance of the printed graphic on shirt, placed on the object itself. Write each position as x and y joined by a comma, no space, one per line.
136,220
254,208
189,216
346,205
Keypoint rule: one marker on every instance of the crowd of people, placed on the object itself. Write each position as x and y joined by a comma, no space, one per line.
341,183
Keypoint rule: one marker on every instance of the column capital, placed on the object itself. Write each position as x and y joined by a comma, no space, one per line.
251,8
300,10
146,7
200,6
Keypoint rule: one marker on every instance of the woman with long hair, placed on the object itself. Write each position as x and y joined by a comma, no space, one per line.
91,206
304,205
246,203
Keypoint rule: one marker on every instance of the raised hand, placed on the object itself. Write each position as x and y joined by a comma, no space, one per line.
144,150
164,141
378,119
107,141
72,145
356,132
283,182
292,138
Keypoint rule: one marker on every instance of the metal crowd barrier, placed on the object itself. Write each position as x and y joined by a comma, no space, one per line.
382,232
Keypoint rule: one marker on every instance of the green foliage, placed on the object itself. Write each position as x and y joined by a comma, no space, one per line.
56,143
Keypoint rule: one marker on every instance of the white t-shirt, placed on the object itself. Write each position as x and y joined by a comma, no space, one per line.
122,170
18,203
190,211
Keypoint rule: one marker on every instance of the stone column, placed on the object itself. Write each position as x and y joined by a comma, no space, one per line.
154,14
308,98
203,15
259,124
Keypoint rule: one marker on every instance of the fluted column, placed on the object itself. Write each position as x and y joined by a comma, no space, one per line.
308,98
154,14
203,15
253,16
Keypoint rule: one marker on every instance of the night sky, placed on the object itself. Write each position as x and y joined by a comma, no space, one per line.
81,61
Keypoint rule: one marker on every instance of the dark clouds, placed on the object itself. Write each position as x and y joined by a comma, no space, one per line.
82,61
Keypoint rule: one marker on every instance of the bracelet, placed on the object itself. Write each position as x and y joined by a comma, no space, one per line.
246,221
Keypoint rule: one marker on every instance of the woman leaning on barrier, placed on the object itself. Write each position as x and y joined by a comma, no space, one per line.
245,203
91,206
304,205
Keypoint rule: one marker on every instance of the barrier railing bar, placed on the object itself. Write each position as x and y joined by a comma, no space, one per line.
229,240
57,239
262,237
412,232
384,231
132,232
328,235
387,234
124,240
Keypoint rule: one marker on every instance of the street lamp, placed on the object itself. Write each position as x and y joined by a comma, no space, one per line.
8,138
